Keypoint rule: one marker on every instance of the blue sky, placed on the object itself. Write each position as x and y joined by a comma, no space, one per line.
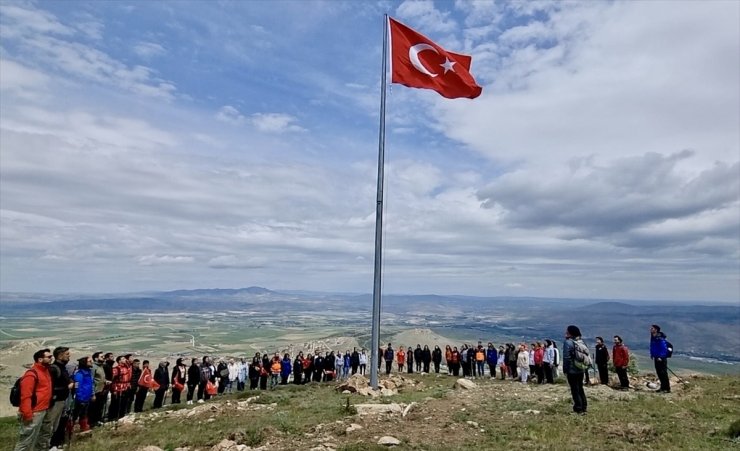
192,144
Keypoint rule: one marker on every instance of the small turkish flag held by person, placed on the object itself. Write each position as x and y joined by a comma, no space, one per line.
417,62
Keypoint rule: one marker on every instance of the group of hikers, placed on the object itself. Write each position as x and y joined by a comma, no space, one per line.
54,395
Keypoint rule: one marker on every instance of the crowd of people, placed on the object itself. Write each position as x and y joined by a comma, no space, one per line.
56,395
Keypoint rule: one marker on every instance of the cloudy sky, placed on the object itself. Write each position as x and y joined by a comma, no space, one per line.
203,144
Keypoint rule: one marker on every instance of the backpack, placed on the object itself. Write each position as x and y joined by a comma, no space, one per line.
669,349
581,355
15,392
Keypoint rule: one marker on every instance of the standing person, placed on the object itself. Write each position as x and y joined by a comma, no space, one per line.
418,358
480,360
472,364
63,386
330,366
547,361
659,354
532,366
242,377
222,372
162,377
512,360
539,363
298,369
400,359
233,369
621,359
84,392
602,360
572,372
254,373
501,362
410,360
97,408
307,369
275,369
347,365
264,371
492,360
556,360
203,378
318,367
286,367
522,363
436,358
363,362
193,379
426,358
119,388
179,377
36,396
134,388
354,361
464,360
339,364
389,354
448,358
454,362
143,383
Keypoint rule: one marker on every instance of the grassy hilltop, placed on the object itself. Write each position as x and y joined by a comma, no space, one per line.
703,413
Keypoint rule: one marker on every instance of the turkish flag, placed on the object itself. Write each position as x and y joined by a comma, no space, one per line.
417,62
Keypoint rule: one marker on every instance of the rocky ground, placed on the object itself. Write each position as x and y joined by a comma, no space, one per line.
428,412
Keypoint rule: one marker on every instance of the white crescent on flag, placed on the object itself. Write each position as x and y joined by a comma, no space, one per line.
414,51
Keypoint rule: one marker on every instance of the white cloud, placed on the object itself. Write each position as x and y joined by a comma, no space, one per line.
275,123
152,260
148,49
426,18
231,115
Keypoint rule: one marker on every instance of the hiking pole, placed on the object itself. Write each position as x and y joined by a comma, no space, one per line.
681,381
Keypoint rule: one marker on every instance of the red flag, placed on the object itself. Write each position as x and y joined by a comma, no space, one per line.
417,62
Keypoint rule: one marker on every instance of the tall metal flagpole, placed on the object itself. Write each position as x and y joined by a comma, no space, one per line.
379,221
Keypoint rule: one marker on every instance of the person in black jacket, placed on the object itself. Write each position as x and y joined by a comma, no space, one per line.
298,368
418,358
193,378
436,358
426,358
318,367
135,376
52,431
410,360
389,355
602,360
254,373
354,360
162,377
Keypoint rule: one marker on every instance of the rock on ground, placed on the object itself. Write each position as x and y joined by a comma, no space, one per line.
389,441
466,384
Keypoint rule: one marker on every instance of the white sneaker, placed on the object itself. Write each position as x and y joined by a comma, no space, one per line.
200,401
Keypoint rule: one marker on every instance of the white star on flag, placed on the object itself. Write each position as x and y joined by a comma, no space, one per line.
448,65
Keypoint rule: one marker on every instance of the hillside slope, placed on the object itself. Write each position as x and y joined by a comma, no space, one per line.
428,412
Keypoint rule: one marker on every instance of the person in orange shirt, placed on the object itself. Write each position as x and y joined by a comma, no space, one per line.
36,394
275,368
448,358
401,359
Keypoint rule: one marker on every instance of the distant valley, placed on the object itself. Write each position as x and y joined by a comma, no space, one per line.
698,331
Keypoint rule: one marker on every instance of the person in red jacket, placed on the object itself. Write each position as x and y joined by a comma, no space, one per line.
36,396
621,360
119,388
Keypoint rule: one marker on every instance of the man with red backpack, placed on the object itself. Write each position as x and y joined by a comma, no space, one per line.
35,399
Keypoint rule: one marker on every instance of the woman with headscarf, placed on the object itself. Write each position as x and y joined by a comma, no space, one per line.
178,380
